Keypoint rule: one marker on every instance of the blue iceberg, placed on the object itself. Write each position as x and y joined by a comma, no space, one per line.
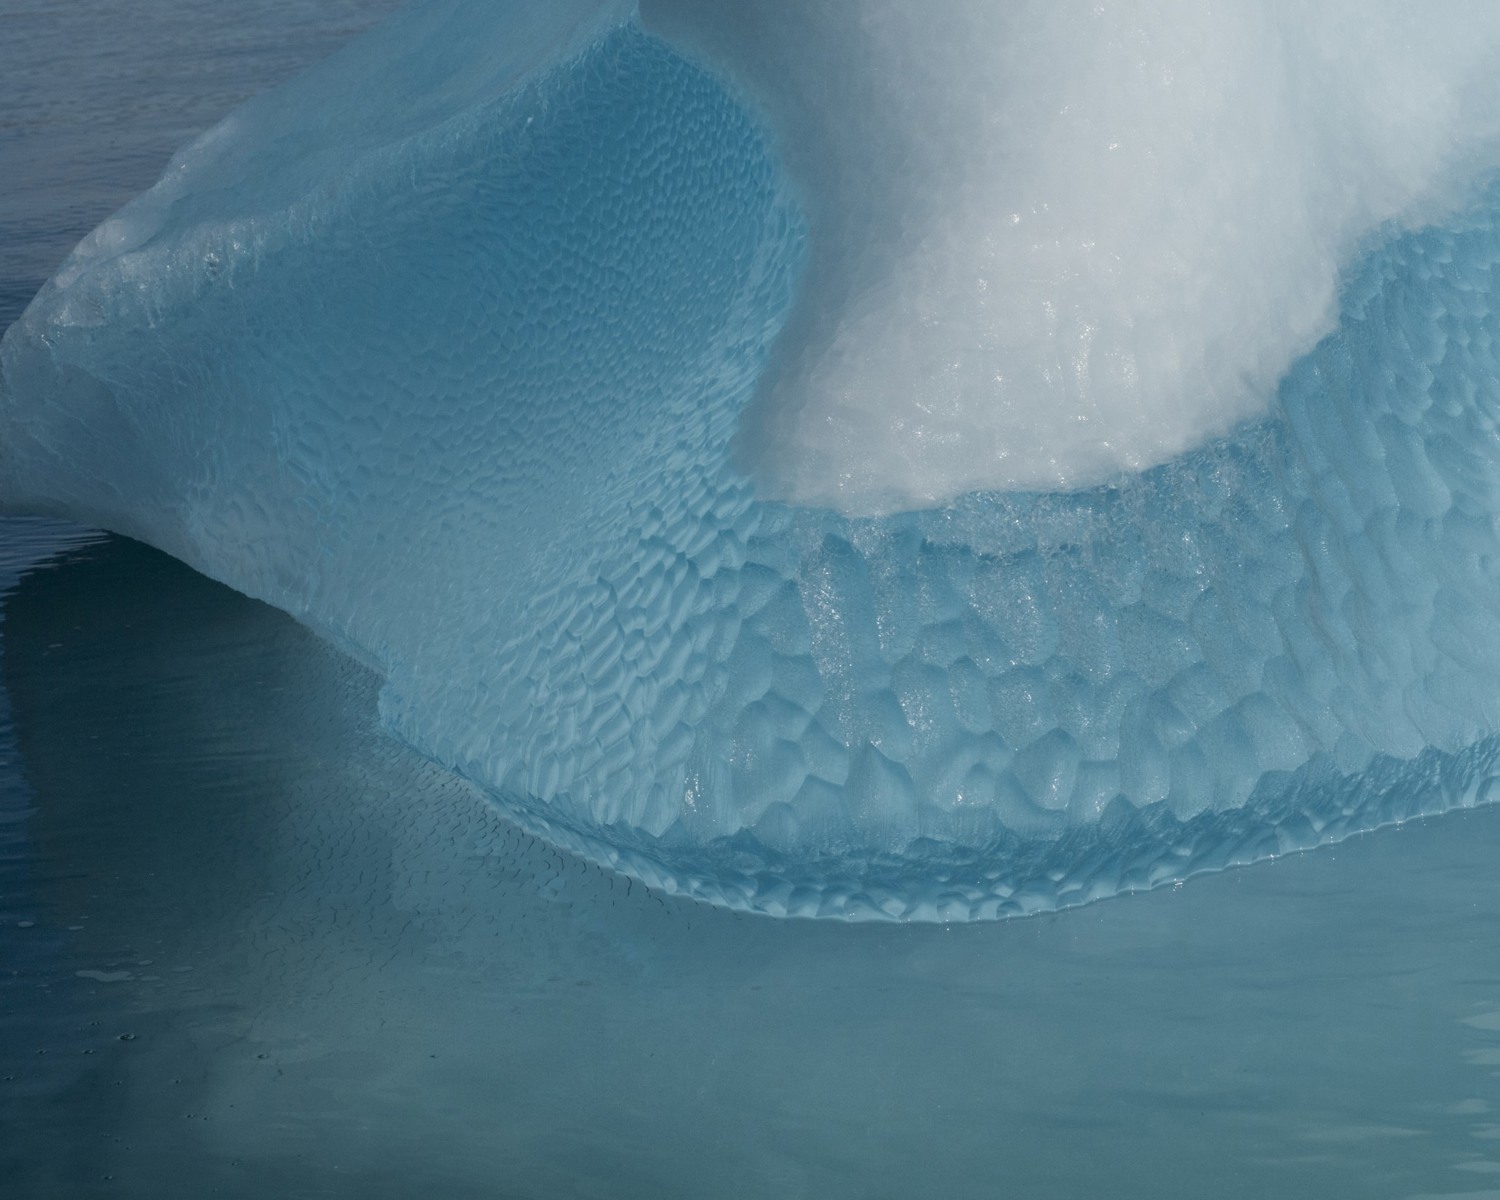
571,365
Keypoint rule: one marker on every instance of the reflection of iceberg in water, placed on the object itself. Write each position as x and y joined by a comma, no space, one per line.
453,373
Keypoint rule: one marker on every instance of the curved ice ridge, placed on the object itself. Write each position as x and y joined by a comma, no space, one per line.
452,373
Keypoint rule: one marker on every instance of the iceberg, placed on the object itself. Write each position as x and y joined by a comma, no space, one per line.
828,462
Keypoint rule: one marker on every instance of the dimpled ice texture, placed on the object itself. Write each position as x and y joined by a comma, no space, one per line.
446,348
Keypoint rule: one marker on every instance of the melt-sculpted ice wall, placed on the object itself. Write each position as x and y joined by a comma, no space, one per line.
445,349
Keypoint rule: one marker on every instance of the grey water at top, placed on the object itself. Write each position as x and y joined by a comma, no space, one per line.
251,944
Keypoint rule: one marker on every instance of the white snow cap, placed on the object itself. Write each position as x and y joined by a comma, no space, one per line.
1055,240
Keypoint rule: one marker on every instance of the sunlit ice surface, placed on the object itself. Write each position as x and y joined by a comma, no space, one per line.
467,374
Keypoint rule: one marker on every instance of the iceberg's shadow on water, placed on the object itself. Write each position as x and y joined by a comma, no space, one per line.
281,954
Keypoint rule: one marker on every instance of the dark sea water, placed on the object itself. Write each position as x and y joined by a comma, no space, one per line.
251,947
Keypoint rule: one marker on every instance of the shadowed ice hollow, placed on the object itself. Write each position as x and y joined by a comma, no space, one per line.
648,397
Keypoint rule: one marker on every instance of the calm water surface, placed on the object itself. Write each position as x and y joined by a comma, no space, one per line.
250,947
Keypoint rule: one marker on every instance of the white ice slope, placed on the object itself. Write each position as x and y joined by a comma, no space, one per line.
1057,240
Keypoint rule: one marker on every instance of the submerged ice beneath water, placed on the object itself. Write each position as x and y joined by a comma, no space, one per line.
454,373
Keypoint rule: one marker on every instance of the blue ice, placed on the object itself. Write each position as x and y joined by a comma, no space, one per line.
476,350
